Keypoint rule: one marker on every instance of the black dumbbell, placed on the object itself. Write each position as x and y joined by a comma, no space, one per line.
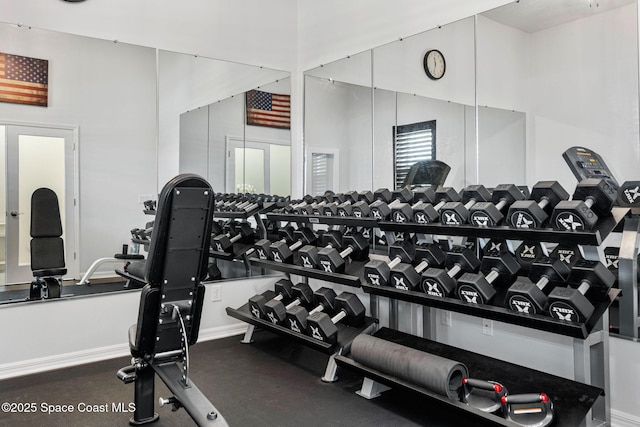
527,297
257,303
479,288
262,247
378,272
276,311
491,213
426,213
441,283
282,251
571,304
331,206
355,246
302,207
533,213
348,307
224,242
456,213
407,277
387,200
308,255
346,208
323,298
592,199
403,212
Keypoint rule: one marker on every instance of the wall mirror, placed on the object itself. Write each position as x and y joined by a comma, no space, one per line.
102,99
338,126
206,112
419,118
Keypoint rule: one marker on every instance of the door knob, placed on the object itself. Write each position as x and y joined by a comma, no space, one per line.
15,213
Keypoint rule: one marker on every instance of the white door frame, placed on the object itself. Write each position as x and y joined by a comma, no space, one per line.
72,225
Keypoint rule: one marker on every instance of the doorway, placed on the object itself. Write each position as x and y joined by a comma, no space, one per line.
34,157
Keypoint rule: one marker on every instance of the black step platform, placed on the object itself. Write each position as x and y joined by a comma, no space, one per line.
572,400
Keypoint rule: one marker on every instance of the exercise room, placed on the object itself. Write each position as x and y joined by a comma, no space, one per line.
290,212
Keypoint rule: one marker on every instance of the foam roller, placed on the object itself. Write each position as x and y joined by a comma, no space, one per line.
434,373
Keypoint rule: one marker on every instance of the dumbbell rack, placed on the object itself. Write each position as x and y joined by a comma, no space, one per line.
590,337
346,334
629,321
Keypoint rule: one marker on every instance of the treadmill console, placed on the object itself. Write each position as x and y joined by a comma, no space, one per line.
585,163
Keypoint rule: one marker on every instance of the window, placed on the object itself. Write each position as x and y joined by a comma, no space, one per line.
321,172
412,143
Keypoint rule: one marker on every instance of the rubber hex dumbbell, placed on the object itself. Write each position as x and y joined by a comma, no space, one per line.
592,199
262,247
323,298
489,214
282,251
381,208
403,212
308,255
426,213
407,277
533,213
356,247
331,207
479,288
441,283
224,242
257,303
378,272
276,311
348,307
530,296
571,304
456,213
346,208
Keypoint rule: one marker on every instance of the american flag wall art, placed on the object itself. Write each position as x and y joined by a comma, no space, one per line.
24,80
268,109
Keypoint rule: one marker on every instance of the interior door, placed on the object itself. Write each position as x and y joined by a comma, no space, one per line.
38,157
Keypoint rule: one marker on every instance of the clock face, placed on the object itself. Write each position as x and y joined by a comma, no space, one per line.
434,64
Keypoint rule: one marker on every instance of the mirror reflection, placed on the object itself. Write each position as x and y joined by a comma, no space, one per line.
98,132
411,101
207,113
338,126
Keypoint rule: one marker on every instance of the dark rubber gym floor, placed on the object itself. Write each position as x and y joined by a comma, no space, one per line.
272,382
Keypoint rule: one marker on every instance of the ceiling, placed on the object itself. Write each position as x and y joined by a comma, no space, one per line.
535,15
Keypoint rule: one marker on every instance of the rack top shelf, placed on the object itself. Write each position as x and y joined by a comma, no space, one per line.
590,238
329,220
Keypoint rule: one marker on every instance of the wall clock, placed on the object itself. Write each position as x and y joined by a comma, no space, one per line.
434,64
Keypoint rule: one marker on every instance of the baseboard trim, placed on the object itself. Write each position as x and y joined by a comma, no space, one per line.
623,419
66,360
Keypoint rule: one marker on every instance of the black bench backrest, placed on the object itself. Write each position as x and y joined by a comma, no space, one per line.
176,265
47,247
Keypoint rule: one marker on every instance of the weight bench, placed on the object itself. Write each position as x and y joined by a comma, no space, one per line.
171,303
47,246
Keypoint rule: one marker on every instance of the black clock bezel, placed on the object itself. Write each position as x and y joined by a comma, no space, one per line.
426,68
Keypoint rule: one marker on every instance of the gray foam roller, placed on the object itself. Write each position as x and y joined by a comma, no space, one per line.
435,373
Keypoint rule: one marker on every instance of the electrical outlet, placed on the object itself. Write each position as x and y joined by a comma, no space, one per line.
216,293
487,327
445,317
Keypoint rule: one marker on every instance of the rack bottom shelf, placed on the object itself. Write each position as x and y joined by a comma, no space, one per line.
572,400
